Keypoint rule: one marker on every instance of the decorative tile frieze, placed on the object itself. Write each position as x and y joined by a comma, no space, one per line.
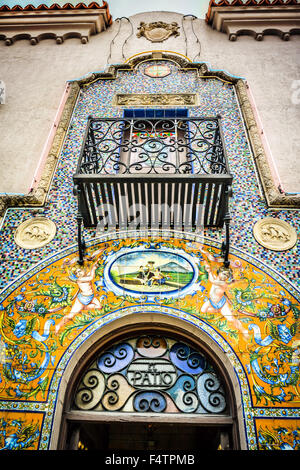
157,99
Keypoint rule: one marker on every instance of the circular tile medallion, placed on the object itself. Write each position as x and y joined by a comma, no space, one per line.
157,71
275,234
35,233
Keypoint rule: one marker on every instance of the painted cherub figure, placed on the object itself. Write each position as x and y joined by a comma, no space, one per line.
218,300
85,298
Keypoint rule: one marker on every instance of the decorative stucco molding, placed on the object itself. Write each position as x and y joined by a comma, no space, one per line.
183,63
157,31
58,23
37,197
273,195
256,21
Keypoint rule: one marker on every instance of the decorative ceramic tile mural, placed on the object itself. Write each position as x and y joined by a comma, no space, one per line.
279,434
49,306
20,431
252,309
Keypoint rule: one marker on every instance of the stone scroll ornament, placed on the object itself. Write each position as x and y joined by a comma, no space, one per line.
158,31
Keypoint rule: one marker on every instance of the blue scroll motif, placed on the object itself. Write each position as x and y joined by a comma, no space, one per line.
284,334
187,359
278,380
211,393
116,359
149,401
21,376
182,394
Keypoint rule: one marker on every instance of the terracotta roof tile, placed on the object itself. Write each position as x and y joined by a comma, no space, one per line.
55,6
252,3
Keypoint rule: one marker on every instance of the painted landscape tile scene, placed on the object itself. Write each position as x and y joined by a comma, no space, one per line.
151,271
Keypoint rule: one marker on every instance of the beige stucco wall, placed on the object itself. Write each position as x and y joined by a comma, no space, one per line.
35,78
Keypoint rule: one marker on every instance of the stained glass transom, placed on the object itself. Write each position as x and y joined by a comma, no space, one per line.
151,374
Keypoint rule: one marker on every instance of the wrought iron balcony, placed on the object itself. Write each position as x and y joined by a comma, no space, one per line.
153,172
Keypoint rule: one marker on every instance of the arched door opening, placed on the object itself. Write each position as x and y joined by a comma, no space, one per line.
151,391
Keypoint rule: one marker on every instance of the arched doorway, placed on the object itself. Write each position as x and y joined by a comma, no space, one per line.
150,388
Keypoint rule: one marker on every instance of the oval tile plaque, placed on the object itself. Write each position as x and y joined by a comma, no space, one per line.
151,271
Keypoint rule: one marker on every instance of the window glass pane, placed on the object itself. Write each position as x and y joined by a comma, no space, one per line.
155,113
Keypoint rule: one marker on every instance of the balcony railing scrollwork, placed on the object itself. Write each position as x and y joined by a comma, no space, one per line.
153,173
158,146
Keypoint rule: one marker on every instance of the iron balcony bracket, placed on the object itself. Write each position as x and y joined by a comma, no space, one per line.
226,219
81,242
80,236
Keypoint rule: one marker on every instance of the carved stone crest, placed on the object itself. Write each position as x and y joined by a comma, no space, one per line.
275,234
157,31
35,233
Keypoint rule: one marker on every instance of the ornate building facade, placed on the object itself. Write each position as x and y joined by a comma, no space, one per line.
150,259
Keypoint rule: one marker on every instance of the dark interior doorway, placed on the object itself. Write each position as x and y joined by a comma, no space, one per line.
147,436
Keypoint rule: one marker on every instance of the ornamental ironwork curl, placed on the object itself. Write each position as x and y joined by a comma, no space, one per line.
150,401
153,146
156,374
